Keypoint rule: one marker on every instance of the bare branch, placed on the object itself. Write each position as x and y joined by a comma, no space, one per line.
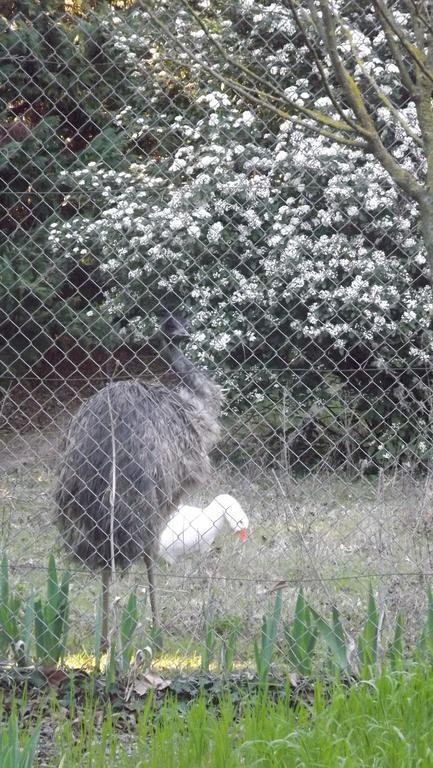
320,68
423,100
406,79
425,14
249,73
265,100
311,120
347,81
420,23
403,178
386,101
254,77
338,138
415,53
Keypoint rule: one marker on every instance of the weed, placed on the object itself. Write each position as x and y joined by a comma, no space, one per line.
51,618
264,648
17,749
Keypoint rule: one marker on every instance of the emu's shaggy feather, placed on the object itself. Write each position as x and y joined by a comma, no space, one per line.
160,439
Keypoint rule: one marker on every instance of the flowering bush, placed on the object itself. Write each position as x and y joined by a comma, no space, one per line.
296,259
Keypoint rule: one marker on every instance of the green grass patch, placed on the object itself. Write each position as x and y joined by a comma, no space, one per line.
371,725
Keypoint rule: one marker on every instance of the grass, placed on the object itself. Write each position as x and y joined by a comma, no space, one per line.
326,531
380,725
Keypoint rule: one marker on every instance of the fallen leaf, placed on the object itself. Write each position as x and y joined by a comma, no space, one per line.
54,675
150,681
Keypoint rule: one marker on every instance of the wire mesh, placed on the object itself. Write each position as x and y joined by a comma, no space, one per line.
261,171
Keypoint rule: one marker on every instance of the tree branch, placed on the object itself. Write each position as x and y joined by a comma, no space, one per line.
347,81
386,101
321,70
264,100
406,78
417,23
425,111
403,178
412,50
412,6
311,120
254,77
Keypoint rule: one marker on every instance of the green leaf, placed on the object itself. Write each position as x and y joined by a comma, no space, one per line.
10,611
40,630
265,649
110,672
395,651
228,649
426,639
14,754
208,646
61,626
368,639
301,636
4,581
334,638
128,625
52,617
98,631
29,613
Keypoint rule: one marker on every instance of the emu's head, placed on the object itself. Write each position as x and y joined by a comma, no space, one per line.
174,329
196,387
171,332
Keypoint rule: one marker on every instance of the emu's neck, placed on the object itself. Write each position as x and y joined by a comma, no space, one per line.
196,381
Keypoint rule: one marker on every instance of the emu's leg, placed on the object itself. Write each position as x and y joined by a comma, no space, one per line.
156,629
152,595
105,607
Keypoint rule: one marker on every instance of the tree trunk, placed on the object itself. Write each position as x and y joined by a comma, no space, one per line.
426,220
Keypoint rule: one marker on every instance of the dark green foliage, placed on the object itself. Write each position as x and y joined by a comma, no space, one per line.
57,101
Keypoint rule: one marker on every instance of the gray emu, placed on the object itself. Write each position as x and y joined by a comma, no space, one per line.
131,454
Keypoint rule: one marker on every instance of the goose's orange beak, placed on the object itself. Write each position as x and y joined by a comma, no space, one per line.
243,534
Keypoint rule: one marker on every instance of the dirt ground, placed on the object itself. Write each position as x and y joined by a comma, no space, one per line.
329,532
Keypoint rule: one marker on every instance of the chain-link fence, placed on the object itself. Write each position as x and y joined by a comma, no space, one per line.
260,174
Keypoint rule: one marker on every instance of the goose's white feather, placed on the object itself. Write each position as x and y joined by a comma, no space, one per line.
193,529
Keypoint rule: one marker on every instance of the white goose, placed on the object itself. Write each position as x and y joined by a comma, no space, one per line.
193,529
